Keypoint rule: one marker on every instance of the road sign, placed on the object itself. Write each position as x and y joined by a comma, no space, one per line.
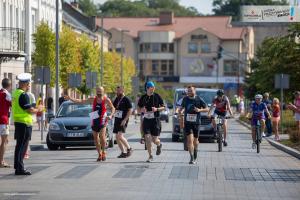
282,81
42,75
91,80
74,80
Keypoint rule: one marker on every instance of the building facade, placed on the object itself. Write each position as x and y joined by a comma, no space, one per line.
178,51
18,21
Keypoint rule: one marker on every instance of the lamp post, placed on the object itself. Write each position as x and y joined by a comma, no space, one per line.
101,56
57,56
122,53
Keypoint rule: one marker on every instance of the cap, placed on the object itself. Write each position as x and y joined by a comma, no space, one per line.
24,77
150,84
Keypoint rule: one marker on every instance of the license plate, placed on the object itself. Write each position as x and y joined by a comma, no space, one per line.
75,134
202,128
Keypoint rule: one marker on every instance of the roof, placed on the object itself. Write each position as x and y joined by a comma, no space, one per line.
68,19
217,25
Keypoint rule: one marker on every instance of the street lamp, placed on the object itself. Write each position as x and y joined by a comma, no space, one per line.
122,52
57,56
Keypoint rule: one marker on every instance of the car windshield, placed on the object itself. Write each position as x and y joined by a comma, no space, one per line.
207,96
74,110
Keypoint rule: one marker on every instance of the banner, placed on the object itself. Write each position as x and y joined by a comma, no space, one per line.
270,14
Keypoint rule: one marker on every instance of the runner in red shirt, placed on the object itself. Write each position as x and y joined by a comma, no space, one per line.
99,119
5,105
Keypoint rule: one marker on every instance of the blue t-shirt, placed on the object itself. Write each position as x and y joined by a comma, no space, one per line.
258,110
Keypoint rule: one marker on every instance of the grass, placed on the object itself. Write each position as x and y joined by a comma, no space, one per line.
289,143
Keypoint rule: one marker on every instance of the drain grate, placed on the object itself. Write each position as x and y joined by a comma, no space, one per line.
254,174
184,172
77,172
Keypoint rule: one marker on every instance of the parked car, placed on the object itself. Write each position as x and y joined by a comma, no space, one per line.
206,129
72,127
164,115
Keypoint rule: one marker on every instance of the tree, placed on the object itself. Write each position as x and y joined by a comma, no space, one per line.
44,54
89,54
232,7
88,7
144,8
275,55
69,55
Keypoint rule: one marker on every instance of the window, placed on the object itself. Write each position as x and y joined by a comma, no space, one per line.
155,48
193,47
11,16
171,47
142,66
119,47
164,68
231,67
171,67
4,15
164,47
155,66
141,48
147,47
205,48
17,18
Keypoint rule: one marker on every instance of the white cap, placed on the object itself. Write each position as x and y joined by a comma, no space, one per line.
24,77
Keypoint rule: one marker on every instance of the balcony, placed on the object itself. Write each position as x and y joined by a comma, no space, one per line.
12,43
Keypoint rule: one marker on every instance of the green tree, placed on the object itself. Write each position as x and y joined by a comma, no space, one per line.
69,55
275,55
232,7
44,54
144,8
89,54
88,7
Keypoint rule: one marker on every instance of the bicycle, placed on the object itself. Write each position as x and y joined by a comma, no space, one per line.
258,136
220,132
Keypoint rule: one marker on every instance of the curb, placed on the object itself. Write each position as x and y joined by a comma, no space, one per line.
275,144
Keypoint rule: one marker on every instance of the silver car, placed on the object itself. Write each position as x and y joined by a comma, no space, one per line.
72,127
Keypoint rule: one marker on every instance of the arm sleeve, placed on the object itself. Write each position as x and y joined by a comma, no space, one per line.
24,101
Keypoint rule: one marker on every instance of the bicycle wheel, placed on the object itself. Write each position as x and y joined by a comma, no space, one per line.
220,138
257,135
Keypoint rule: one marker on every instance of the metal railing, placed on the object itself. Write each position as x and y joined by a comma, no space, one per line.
12,40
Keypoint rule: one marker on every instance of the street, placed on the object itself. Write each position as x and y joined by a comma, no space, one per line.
236,173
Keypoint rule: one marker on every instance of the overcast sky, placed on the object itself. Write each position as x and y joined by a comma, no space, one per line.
203,6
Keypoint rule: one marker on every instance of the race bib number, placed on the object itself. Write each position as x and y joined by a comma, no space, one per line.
149,115
94,115
191,117
119,114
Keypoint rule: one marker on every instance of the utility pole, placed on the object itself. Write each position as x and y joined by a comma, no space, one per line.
122,54
57,56
101,56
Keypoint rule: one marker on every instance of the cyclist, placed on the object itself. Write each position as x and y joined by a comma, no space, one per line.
221,104
258,111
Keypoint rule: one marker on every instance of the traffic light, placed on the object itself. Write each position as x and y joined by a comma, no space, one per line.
220,52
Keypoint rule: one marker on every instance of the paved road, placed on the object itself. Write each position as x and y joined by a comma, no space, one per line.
237,173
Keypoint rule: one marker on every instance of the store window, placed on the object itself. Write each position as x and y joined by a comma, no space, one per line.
155,67
231,67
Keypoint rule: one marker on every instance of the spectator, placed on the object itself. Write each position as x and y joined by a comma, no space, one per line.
266,100
276,117
296,108
242,106
61,99
50,112
40,116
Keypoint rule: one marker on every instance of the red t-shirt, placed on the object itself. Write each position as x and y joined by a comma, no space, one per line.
5,104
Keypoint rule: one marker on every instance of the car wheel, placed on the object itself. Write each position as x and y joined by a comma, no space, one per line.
175,138
51,146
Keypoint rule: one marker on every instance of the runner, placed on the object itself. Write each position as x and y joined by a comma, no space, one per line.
192,106
258,111
123,111
151,104
222,105
99,119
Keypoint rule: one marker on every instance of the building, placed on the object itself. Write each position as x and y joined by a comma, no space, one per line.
178,51
18,22
82,24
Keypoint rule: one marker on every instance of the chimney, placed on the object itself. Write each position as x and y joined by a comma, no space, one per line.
75,4
166,18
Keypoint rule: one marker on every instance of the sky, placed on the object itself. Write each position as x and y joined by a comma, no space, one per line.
203,6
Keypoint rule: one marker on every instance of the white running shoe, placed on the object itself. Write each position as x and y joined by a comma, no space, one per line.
253,145
263,134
